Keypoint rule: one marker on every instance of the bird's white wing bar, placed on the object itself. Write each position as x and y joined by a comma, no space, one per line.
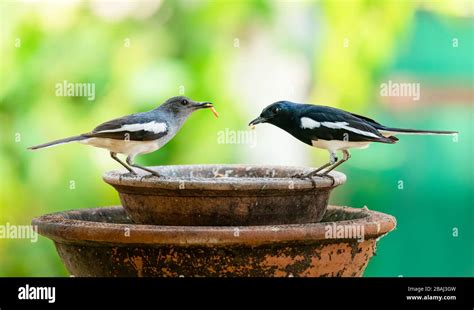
308,123
153,126
345,126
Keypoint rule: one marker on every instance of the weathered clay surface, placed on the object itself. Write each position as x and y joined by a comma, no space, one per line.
216,195
104,242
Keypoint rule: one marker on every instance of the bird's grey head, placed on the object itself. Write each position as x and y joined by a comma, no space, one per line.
182,106
278,113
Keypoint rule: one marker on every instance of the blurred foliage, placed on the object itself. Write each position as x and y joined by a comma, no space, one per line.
171,49
360,40
139,59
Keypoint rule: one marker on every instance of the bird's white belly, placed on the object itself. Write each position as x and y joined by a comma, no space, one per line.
335,145
123,146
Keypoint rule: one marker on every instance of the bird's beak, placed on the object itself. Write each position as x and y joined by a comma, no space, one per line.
258,120
203,105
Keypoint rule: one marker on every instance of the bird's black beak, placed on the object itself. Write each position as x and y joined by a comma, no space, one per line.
203,105
258,120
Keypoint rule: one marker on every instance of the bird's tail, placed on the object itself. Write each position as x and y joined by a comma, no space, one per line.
58,142
387,132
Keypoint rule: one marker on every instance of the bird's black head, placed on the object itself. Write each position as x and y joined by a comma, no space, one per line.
279,114
182,105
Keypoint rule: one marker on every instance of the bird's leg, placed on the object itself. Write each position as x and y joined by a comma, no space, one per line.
114,156
131,163
332,161
312,173
345,158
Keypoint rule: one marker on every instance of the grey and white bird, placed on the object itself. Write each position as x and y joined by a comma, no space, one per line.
332,129
139,133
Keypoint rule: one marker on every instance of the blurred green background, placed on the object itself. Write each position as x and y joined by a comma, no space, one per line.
243,55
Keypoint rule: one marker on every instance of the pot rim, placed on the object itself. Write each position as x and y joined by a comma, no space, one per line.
118,178
57,227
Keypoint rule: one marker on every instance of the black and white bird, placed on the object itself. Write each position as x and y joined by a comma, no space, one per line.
331,129
138,133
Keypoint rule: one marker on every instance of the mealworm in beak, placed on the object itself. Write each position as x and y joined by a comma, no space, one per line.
214,112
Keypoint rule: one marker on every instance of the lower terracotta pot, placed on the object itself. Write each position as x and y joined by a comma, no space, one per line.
104,242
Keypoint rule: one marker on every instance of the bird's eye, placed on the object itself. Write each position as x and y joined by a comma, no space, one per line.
184,102
276,110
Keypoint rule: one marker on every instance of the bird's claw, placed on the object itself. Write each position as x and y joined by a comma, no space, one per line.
128,174
151,175
326,175
300,176
155,174
303,176
330,177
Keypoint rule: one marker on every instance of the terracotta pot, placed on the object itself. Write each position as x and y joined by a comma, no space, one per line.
215,195
104,242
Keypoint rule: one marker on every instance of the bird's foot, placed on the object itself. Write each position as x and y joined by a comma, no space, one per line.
128,175
330,177
301,176
155,174
304,176
325,175
150,175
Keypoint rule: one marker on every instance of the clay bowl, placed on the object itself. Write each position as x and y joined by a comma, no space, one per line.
103,242
214,195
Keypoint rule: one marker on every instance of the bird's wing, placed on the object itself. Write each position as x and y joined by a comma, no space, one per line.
367,119
328,123
135,127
